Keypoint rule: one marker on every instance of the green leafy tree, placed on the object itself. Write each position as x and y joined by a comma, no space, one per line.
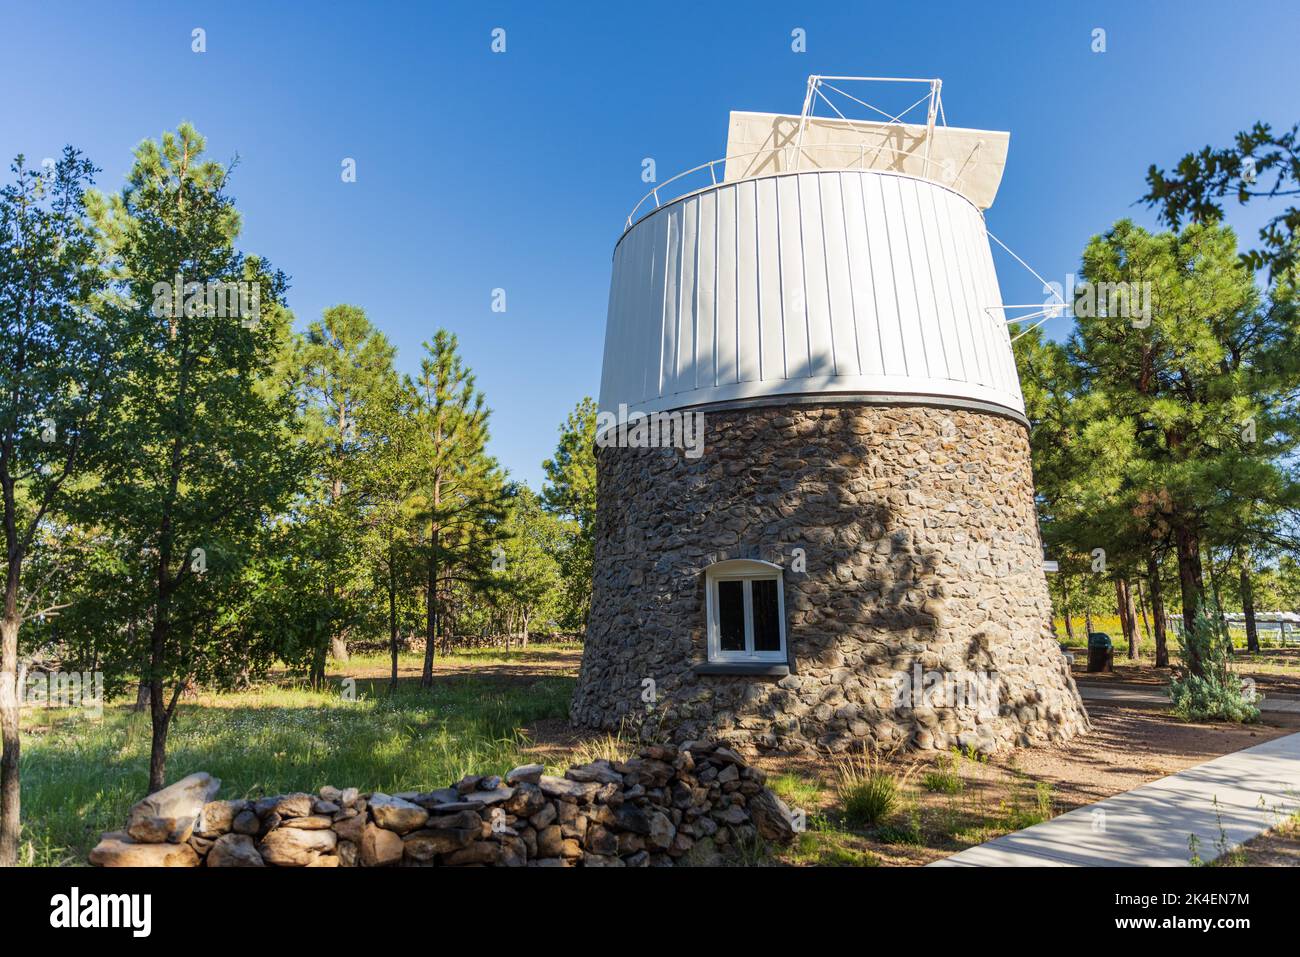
57,365
569,492
201,449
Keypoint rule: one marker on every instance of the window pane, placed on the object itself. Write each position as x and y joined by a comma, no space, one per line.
731,616
767,624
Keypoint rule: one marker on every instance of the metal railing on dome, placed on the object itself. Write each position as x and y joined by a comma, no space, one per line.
793,156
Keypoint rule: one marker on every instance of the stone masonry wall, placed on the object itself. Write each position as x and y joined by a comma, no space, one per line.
924,571
693,805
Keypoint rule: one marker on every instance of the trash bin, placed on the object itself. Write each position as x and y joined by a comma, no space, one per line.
1101,652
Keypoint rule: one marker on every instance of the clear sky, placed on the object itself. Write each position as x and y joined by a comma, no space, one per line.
478,170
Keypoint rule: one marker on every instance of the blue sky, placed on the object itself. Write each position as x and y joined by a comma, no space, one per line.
478,170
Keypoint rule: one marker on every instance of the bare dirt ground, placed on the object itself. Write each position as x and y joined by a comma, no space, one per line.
1275,670
1127,747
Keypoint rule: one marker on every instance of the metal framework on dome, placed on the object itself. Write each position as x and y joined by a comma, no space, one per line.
816,82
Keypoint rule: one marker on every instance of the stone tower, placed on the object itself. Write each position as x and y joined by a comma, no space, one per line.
815,519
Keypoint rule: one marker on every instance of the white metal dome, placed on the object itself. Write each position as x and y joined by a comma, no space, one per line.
829,283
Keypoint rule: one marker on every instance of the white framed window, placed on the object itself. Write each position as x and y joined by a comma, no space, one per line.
745,604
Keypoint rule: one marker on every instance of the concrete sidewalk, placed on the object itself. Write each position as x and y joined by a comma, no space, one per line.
1150,826
1155,695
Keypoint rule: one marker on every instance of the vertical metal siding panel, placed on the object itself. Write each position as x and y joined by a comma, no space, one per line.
909,313
952,311
839,278
905,285
794,296
749,285
671,303
1009,381
822,357
706,276
970,280
882,269
618,347
866,318
687,319
727,287
928,274
634,293
984,321
653,309
767,224
634,282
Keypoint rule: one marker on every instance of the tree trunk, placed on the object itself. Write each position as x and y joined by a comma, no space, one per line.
10,793
1122,603
1191,584
430,622
158,716
1133,636
1248,605
1158,610
1087,620
1065,606
316,677
338,648
1142,607
392,617
431,599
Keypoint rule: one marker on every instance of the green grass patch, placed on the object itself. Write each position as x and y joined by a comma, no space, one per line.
80,776
830,849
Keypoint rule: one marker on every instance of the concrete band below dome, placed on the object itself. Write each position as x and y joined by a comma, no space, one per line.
863,398
923,577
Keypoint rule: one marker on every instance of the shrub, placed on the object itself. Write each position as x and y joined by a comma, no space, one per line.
1216,693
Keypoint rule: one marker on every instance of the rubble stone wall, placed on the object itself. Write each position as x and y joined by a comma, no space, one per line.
695,805
923,578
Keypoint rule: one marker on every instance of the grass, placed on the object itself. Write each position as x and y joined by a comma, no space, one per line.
946,776
80,776
869,792
904,809
830,849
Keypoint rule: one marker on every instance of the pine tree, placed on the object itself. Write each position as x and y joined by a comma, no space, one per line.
570,493
460,491
345,365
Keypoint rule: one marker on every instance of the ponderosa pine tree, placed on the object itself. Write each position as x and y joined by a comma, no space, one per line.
569,493
345,365
461,495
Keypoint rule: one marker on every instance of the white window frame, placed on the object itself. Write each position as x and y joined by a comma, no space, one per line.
747,571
